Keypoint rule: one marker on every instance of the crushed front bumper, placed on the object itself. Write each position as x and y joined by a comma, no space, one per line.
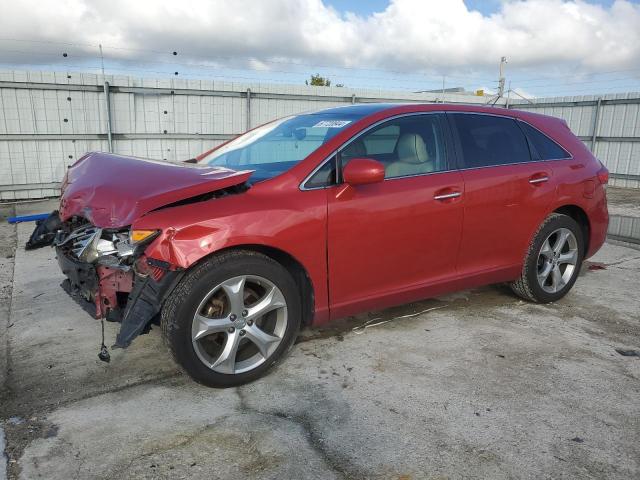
100,290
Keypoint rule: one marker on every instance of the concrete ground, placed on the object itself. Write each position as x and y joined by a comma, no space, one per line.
476,384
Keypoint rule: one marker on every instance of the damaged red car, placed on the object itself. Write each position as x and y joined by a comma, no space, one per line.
319,216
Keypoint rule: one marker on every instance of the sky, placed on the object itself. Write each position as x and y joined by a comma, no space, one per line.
553,47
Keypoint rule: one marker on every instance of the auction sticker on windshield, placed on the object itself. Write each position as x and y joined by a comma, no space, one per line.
331,124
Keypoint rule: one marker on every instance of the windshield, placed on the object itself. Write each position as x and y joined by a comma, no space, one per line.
277,146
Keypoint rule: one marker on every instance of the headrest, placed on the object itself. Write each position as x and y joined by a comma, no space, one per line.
355,149
412,149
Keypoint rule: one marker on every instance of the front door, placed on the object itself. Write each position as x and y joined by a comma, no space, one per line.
389,241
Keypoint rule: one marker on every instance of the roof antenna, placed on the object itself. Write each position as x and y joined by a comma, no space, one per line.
503,61
101,60
501,81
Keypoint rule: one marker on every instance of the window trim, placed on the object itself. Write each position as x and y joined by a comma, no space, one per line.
447,138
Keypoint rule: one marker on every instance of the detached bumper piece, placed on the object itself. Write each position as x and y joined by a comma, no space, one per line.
81,281
145,301
45,232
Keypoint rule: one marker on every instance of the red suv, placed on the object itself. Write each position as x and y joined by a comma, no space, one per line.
323,215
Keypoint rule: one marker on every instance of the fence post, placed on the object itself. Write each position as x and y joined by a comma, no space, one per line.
248,109
596,118
108,106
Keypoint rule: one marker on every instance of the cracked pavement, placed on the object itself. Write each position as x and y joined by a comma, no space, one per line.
477,384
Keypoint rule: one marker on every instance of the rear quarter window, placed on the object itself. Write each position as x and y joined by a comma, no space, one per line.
542,147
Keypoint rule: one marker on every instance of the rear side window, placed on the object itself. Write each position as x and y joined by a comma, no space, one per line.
542,147
488,140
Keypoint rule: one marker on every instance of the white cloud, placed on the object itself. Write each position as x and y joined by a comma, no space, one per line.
410,35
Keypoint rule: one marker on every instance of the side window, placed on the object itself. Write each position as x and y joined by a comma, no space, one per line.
411,145
543,148
383,140
325,176
488,140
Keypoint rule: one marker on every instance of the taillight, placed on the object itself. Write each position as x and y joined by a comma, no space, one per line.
603,175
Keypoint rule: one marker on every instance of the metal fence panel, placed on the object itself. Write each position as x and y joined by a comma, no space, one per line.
49,119
623,228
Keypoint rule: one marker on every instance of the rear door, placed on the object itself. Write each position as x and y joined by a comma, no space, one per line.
507,191
390,240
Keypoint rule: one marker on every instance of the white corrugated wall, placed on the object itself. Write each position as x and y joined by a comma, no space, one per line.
49,119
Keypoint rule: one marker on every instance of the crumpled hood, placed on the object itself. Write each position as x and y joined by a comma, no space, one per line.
112,191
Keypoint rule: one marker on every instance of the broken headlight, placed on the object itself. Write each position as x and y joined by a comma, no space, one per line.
106,247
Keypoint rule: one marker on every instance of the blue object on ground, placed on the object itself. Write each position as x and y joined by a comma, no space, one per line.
28,218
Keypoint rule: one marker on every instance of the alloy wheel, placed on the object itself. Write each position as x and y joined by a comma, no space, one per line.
239,324
557,260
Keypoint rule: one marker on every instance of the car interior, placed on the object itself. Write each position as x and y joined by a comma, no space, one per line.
404,148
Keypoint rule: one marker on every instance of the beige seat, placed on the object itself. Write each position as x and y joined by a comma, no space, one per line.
413,158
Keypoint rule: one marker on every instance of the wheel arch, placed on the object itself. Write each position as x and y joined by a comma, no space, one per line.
581,218
295,268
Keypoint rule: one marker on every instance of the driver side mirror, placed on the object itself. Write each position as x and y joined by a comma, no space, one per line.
363,171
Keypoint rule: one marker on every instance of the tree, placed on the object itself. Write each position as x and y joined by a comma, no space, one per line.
318,81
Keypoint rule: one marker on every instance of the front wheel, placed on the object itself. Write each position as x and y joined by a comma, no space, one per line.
231,318
553,260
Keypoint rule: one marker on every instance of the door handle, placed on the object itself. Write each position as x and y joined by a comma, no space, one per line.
446,196
539,178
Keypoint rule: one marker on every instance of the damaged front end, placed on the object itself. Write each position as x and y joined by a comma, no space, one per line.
109,275
102,195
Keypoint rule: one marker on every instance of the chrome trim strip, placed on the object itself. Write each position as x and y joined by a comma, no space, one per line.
425,174
507,164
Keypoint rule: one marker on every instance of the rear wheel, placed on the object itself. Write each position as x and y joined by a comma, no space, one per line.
232,318
553,261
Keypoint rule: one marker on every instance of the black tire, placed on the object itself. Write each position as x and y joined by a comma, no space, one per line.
527,286
179,310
